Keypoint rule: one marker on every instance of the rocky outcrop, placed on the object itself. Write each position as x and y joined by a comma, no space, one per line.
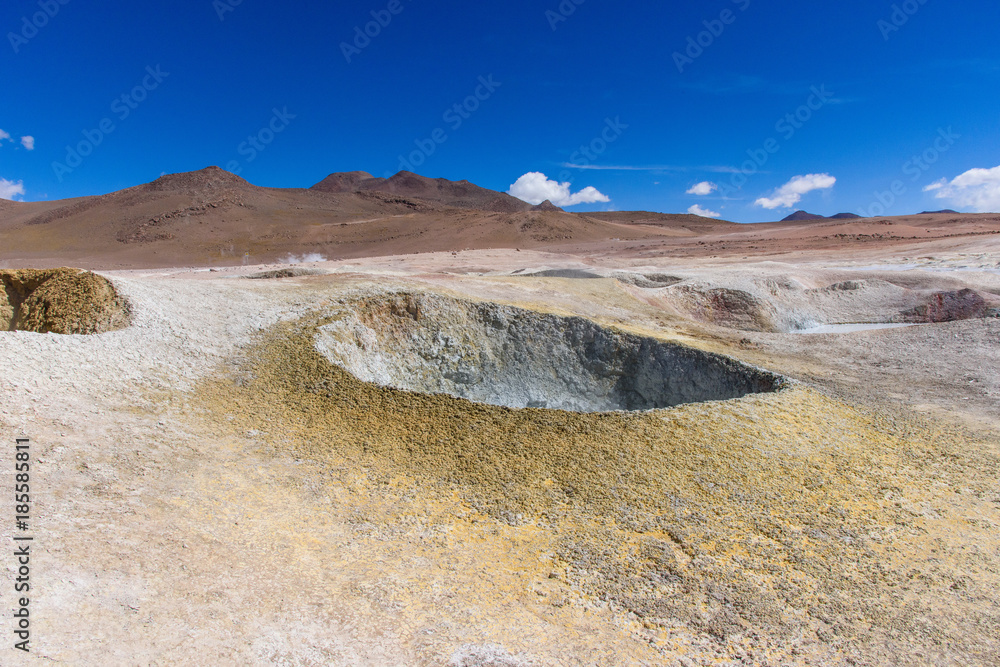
963,304
722,306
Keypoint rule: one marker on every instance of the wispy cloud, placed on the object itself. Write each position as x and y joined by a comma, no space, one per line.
27,141
622,167
720,169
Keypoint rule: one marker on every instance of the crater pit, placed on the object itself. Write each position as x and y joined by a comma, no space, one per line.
507,356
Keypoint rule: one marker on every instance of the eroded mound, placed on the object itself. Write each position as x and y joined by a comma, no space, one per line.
731,308
785,306
948,306
65,301
518,358
277,274
646,280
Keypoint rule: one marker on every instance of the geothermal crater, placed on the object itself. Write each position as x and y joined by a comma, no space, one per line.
507,356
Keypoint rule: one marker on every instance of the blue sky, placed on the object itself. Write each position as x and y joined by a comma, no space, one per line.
636,105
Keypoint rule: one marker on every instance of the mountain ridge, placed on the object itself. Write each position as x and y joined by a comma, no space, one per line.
211,218
800,216
457,194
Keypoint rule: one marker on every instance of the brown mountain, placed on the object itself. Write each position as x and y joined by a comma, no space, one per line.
212,217
802,215
438,191
345,181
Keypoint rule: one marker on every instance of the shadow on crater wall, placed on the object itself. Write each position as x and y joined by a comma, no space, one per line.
507,356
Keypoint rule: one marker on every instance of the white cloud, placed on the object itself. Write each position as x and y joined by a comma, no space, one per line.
703,212
535,187
10,189
703,188
4,135
978,189
28,142
790,194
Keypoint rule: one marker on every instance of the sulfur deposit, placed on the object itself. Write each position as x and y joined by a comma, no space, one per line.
64,301
784,521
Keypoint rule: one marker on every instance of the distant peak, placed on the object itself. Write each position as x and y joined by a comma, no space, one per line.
802,215
344,181
411,179
208,178
805,215
546,206
351,174
432,191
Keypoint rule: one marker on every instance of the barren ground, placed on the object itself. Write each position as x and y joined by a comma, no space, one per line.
210,490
